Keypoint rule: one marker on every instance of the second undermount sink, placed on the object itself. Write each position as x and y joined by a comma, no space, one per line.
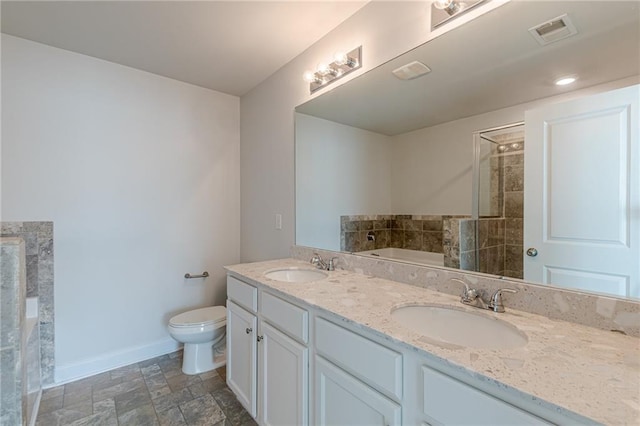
296,275
458,327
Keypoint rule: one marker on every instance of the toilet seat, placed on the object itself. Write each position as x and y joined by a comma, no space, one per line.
199,317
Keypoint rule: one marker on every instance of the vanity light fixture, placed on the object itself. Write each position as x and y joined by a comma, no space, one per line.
343,64
565,80
443,11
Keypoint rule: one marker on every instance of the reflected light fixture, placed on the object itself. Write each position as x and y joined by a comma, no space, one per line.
343,64
565,80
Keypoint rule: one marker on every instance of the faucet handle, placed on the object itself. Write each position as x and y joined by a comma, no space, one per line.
331,265
496,300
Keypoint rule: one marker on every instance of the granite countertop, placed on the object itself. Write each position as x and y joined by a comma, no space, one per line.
590,372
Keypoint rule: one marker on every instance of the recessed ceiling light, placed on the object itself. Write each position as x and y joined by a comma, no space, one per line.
565,80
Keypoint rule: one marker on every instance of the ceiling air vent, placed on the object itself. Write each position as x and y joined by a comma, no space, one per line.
553,30
411,70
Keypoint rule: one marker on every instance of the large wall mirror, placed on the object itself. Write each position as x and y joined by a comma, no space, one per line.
484,163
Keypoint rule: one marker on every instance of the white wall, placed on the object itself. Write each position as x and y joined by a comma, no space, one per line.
340,170
140,175
385,29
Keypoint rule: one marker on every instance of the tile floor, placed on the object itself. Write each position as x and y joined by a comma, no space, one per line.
151,392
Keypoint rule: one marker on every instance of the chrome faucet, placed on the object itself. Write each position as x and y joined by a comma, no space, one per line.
496,300
321,264
471,297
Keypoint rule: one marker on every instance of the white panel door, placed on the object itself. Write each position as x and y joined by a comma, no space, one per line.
241,355
341,399
582,201
284,384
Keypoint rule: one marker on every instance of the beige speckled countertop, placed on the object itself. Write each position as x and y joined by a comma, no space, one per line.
590,372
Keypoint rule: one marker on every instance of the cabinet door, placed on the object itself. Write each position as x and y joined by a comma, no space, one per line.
241,355
341,399
448,401
284,383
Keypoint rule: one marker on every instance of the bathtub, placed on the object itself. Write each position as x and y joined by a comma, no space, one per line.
405,255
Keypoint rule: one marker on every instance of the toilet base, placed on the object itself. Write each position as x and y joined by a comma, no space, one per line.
199,358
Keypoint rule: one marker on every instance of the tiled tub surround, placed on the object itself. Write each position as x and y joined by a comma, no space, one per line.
38,237
13,401
499,240
412,232
577,371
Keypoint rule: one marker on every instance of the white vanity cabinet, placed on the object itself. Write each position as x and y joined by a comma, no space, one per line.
267,355
357,381
293,364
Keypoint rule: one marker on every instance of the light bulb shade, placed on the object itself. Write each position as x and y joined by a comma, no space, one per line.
340,58
309,76
322,68
442,4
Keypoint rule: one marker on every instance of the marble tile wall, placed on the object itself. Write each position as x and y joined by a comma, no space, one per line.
514,213
12,340
370,232
38,238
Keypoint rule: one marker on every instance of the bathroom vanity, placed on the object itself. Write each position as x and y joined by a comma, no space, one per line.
328,351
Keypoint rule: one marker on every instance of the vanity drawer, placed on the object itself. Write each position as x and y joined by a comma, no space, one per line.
288,317
449,401
371,362
242,293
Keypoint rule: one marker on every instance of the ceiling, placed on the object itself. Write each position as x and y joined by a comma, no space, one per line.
490,63
228,46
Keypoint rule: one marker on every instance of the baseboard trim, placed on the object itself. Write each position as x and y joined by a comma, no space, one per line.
89,367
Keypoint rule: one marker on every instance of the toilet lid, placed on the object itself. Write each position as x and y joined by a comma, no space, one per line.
201,316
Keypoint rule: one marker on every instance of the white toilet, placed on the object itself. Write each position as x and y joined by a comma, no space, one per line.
203,333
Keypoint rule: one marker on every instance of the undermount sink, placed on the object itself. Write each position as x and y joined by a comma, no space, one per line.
296,275
458,327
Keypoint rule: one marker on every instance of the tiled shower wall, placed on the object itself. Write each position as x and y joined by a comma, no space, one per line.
12,339
514,212
370,232
460,237
38,238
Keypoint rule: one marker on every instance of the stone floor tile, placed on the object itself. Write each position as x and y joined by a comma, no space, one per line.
63,416
222,372
128,372
202,411
207,386
108,404
144,415
52,392
107,383
232,408
78,396
171,400
171,370
171,417
114,390
157,385
52,403
225,422
104,418
86,383
151,361
131,400
150,370
182,381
